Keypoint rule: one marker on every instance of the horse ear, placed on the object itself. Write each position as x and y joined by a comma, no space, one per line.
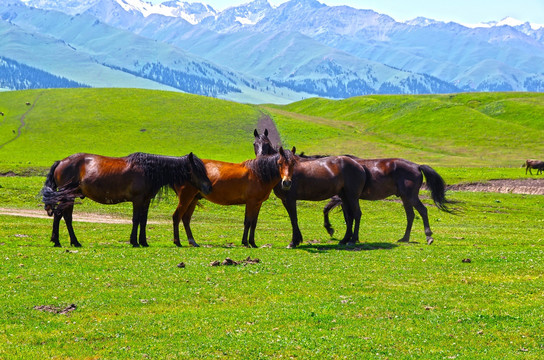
191,158
294,150
265,132
256,133
282,153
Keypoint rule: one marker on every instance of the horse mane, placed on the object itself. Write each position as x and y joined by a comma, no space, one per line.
166,170
310,157
266,166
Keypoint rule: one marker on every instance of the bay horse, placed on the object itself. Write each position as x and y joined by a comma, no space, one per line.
249,183
316,180
534,164
110,180
402,178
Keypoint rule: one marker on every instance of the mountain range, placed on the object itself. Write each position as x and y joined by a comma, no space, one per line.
259,53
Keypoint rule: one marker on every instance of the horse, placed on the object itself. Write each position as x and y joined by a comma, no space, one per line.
534,164
109,180
316,180
402,178
249,183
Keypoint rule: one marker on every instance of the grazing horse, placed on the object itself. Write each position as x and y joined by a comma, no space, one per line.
320,179
402,178
534,164
136,178
248,183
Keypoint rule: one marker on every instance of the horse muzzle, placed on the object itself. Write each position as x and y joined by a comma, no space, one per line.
49,209
206,189
286,184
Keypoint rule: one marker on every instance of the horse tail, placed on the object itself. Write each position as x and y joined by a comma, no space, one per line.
54,198
334,202
436,184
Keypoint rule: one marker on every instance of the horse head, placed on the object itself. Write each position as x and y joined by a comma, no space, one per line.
286,164
199,177
262,144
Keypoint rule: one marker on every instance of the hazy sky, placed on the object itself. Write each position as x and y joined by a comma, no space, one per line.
461,11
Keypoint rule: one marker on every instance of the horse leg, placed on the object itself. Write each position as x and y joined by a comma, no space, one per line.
334,202
348,218
356,215
250,224
135,222
144,210
67,214
186,218
57,216
409,209
186,197
422,210
291,207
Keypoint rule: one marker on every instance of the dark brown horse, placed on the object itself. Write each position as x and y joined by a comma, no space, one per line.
320,179
534,164
136,178
248,183
402,178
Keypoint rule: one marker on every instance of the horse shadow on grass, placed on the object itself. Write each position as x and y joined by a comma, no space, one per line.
319,247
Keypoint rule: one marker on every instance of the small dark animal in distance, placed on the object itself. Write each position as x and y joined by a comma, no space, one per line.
534,164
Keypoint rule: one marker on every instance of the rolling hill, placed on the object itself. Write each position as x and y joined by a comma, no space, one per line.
462,130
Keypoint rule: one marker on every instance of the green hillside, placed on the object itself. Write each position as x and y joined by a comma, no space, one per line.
117,122
463,130
473,129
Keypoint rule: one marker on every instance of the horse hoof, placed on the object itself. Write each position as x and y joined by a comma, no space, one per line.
193,243
76,245
144,245
291,246
330,231
403,240
57,245
177,243
135,245
430,240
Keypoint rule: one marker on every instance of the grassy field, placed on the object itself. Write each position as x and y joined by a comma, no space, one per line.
465,130
475,293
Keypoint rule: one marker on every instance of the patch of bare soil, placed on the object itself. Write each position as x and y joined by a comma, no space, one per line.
505,186
56,309
81,217
229,261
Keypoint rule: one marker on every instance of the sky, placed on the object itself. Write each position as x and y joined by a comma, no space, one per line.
460,11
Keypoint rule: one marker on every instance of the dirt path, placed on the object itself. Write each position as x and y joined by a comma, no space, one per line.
266,122
22,122
518,186
80,217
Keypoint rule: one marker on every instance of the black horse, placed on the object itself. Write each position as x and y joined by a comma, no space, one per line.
320,179
136,178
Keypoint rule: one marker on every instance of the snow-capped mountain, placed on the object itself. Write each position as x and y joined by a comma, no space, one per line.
298,49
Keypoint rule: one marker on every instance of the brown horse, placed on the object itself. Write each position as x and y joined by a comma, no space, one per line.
136,178
320,179
534,164
248,183
402,178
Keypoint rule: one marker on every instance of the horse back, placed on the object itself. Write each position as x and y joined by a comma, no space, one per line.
388,177
101,178
234,184
321,178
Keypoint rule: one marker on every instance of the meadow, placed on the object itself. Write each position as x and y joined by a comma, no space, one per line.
475,293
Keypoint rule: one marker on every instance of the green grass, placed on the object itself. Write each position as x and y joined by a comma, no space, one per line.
380,299
465,130
117,122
